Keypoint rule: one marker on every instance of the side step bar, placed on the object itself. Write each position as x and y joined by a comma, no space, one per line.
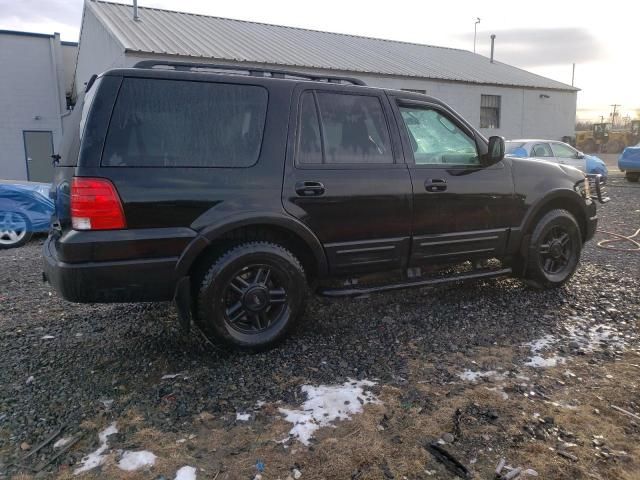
355,291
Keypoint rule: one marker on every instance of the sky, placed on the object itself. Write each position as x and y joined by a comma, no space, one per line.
544,37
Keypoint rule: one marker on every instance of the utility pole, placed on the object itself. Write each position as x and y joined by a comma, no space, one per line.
573,74
475,33
613,115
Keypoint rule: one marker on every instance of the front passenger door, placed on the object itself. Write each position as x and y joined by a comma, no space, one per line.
462,209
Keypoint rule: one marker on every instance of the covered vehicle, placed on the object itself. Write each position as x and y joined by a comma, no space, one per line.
557,152
25,209
629,162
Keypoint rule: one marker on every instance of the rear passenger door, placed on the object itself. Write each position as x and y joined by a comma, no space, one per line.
345,177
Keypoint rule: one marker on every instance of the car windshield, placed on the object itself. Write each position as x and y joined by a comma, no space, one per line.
510,147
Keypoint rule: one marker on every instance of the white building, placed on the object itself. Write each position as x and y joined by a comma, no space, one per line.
36,76
498,98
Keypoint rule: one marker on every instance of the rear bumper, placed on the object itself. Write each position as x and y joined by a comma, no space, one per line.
131,280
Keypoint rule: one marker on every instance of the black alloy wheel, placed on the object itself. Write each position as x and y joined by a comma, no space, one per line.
554,250
255,299
251,296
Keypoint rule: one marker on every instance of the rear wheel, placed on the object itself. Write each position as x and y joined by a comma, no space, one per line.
15,230
251,296
554,250
632,176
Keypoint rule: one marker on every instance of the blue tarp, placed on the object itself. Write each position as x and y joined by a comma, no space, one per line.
26,200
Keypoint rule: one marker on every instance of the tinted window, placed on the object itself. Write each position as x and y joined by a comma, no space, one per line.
437,140
541,150
171,123
563,151
354,129
309,140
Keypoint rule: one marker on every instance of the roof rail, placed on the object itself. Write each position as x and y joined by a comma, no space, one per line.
249,71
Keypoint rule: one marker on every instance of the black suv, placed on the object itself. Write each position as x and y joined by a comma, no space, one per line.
235,191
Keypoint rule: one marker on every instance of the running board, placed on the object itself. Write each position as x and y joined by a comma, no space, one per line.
355,291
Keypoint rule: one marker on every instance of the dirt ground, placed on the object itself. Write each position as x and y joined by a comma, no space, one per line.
465,376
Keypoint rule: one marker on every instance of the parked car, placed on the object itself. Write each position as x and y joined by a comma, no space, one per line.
629,162
25,209
558,152
235,193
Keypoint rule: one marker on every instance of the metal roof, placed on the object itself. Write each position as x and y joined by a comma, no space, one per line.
200,36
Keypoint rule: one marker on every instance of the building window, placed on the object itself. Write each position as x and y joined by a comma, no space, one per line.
490,111
414,90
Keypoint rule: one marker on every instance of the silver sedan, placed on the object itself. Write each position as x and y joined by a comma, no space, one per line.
557,152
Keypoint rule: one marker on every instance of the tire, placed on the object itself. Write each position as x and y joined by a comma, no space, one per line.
15,230
632,176
554,250
251,296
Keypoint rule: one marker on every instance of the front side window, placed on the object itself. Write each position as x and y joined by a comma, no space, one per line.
490,111
436,140
173,123
337,128
563,151
541,150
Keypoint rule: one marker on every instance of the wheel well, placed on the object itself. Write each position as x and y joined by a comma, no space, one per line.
268,233
563,204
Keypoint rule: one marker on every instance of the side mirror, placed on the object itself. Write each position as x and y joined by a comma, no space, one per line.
579,155
496,149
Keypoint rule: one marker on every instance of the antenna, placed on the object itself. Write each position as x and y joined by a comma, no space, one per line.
475,33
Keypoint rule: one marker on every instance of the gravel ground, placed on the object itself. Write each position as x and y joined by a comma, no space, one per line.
63,364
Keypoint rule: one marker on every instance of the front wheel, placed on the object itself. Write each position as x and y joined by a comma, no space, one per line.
554,250
251,296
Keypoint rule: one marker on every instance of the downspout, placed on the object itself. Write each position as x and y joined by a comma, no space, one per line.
53,41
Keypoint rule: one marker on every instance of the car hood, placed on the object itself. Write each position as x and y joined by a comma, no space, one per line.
551,167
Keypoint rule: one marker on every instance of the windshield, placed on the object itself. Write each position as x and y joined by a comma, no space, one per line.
510,147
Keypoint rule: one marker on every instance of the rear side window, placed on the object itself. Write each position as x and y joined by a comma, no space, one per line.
343,129
173,123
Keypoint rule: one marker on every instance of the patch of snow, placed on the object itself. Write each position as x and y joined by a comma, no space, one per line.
170,376
131,461
540,362
472,376
542,343
243,417
63,442
186,473
326,404
30,380
48,337
97,458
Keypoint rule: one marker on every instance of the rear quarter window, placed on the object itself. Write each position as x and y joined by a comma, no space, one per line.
174,123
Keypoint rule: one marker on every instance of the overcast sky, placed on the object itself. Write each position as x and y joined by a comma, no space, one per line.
541,36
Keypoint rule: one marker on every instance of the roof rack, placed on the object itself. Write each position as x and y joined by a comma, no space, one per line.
249,71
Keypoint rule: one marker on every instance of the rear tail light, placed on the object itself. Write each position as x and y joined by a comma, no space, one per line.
95,205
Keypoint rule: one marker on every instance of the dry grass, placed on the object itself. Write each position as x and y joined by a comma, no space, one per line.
391,435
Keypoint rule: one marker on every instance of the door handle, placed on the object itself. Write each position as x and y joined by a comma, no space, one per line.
435,185
309,189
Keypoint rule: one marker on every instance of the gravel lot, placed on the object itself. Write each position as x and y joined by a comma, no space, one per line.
82,366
